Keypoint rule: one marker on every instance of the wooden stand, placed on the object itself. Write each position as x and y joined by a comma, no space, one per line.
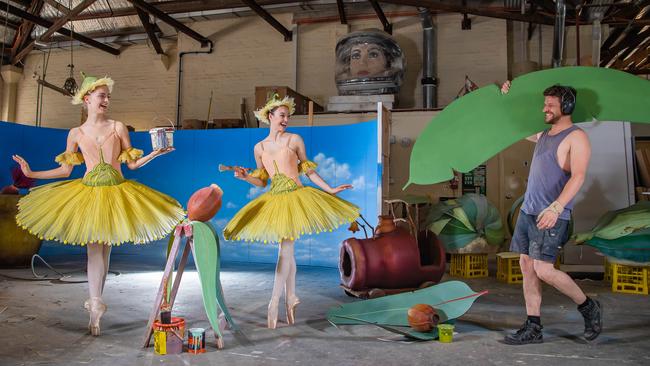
186,230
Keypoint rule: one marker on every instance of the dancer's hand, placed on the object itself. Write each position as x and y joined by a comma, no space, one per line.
240,173
24,166
164,151
340,188
505,88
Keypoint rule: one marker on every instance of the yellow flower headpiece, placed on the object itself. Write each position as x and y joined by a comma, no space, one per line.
89,84
275,101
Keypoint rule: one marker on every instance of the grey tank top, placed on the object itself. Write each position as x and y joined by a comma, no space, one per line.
547,179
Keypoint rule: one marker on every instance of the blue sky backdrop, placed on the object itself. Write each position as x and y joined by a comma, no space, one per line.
344,154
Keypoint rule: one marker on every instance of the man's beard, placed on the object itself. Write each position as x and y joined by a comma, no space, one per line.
553,120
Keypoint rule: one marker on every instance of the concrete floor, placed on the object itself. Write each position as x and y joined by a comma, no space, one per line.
43,323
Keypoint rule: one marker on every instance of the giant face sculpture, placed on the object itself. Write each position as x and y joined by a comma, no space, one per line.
368,62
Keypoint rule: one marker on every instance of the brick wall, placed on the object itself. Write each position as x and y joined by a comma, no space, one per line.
247,53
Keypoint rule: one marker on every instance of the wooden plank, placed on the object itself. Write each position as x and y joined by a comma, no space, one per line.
179,271
178,233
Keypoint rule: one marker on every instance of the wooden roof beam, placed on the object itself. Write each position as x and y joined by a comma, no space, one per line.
341,8
288,35
66,32
148,27
483,11
64,19
171,21
388,28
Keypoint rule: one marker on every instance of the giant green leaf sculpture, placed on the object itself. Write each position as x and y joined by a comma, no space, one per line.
622,234
484,122
206,259
451,300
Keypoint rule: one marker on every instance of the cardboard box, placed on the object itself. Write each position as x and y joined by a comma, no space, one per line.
264,93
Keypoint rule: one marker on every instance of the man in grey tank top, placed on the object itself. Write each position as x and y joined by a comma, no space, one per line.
557,172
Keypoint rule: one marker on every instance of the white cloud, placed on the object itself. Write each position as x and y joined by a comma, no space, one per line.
231,205
220,223
331,170
359,184
255,191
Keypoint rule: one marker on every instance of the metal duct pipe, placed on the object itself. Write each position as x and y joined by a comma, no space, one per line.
558,32
429,81
180,80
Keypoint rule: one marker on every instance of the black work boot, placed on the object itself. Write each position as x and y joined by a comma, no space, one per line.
527,334
593,314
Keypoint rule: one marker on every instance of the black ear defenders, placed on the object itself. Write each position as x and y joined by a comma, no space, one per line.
567,100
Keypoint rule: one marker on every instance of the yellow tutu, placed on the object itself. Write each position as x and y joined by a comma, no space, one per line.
74,212
288,211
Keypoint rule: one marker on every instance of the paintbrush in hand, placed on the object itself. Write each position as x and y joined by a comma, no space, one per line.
224,168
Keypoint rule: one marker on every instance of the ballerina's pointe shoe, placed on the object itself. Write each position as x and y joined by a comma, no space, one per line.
96,308
272,317
291,304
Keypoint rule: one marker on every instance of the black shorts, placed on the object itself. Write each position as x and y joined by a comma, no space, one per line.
538,244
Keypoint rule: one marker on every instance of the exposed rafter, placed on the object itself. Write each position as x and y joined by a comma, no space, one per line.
23,34
288,35
341,8
483,11
177,6
58,6
148,27
64,19
46,23
388,28
171,21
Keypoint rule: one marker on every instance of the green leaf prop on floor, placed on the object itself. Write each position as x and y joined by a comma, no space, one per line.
623,235
206,258
486,122
450,299
465,220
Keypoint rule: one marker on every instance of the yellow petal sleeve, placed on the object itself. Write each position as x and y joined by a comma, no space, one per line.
262,174
129,155
306,166
69,158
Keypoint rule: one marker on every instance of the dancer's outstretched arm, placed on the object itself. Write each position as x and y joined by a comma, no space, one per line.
125,140
255,178
298,145
63,171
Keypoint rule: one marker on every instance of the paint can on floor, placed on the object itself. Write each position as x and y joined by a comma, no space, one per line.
168,338
196,340
445,333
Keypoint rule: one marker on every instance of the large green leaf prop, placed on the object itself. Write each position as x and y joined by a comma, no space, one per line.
450,299
619,223
206,259
484,122
634,247
622,234
460,221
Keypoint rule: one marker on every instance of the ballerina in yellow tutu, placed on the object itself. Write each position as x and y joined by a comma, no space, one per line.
288,210
102,209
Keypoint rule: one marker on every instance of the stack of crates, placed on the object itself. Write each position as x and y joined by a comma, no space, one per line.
629,279
469,265
508,269
608,271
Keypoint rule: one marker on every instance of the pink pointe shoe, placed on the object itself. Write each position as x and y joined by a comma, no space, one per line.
96,308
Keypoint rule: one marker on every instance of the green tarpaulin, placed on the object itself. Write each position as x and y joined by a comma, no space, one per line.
484,122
